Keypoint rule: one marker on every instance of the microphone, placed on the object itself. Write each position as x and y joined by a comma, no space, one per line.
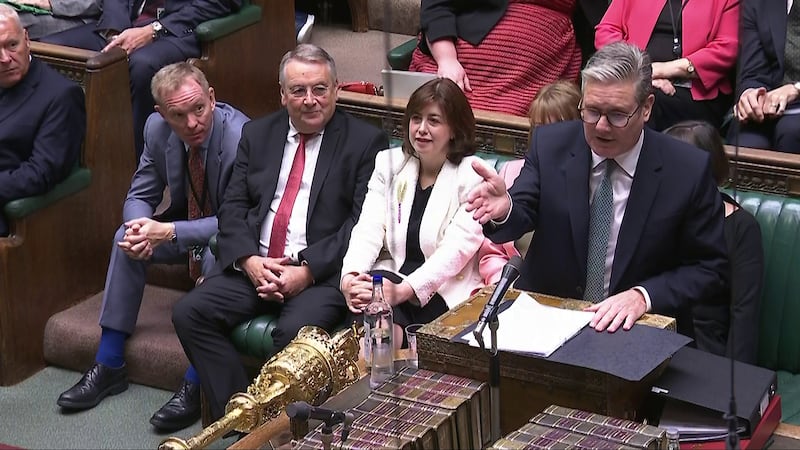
509,275
304,411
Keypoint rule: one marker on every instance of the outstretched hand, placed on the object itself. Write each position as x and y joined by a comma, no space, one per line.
488,200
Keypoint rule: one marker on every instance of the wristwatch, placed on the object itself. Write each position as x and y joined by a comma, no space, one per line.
157,27
690,67
174,236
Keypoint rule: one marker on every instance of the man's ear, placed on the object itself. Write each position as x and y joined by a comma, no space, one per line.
212,98
647,107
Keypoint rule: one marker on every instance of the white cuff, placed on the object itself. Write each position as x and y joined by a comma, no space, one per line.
505,219
646,296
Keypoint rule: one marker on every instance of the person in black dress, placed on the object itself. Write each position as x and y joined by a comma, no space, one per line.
736,316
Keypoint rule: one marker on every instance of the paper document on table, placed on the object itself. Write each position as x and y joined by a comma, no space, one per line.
527,326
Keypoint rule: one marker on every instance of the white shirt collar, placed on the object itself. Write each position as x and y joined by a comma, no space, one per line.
293,131
627,161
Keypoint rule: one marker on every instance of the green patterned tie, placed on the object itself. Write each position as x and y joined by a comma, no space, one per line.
601,213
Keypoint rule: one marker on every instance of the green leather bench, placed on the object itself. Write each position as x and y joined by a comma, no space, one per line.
76,181
779,336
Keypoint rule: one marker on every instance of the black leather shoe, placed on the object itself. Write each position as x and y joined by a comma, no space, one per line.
181,411
97,383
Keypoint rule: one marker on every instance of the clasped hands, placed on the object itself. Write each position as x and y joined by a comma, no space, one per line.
757,104
489,200
357,290
276,279
143,235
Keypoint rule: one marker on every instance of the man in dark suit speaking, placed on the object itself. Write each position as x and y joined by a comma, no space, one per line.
42,118
625,217
297,187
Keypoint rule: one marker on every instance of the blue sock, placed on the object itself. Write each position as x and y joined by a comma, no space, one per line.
191,375
111,352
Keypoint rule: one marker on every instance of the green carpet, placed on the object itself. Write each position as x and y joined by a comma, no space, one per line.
30,418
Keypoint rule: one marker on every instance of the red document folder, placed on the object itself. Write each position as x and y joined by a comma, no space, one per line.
769,422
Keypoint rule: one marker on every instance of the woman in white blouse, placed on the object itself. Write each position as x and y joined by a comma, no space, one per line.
413,221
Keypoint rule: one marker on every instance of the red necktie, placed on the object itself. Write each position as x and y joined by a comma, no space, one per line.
197,193
280,225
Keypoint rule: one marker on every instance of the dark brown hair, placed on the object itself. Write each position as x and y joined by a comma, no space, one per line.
704,136
456,111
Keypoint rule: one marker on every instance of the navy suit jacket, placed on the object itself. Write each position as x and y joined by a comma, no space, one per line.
763,43
42,126
163,166
670,240
345,163
180,17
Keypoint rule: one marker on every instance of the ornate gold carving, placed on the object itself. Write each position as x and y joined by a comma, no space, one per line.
311,368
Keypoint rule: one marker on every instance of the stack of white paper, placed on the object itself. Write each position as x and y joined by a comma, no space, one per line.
528,326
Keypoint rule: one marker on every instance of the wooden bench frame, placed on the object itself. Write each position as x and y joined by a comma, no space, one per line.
57,255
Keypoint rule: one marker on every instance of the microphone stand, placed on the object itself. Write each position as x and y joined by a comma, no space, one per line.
494,378
327,436
494,372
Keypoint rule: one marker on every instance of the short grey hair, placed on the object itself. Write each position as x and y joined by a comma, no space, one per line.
620,61
309,54
169,78
8,12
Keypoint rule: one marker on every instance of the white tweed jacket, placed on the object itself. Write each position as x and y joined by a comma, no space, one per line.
449,236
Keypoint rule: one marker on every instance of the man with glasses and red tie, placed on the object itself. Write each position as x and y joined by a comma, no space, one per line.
297,187
190,146
624,216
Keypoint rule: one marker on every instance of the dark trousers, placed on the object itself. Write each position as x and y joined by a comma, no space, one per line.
205,317
782,134
671,109
143,64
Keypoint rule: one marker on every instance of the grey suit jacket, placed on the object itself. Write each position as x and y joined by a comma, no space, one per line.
163,164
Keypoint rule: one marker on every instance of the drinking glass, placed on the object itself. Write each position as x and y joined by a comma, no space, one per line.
411,336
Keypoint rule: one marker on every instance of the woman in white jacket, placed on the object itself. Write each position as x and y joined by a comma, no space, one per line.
413,221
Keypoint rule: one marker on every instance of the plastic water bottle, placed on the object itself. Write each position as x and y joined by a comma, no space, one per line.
673,439
379,328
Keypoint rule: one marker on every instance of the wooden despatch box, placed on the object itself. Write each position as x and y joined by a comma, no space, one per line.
529,384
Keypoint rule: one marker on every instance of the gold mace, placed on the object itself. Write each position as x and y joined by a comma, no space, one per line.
313,367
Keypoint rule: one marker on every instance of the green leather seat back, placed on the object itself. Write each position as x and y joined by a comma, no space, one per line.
216,28
79,179
779,336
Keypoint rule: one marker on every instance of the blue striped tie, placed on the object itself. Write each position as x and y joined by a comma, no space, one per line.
601,213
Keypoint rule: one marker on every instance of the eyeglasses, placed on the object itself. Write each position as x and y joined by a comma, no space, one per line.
318,91
615,119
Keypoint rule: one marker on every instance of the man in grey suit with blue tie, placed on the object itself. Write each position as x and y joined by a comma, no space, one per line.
190,146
